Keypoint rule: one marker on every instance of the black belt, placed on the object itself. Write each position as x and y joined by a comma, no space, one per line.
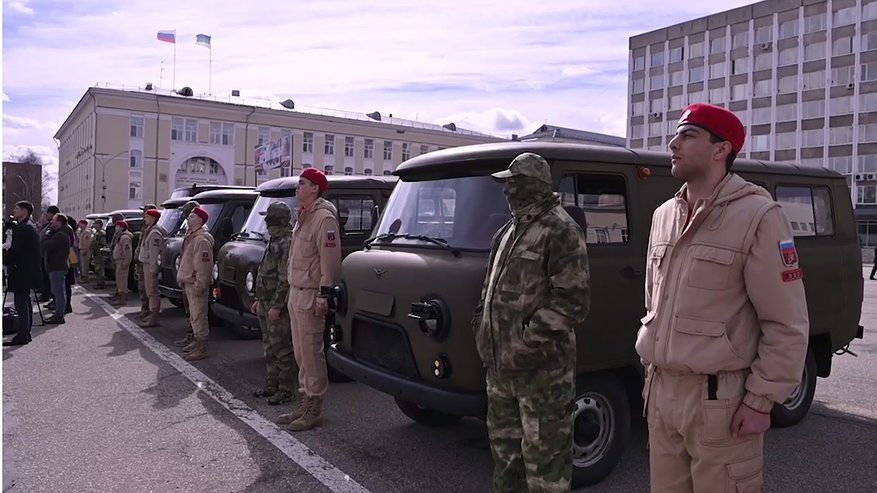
712,386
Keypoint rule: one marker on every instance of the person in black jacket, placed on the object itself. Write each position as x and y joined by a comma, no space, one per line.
23,266
56,248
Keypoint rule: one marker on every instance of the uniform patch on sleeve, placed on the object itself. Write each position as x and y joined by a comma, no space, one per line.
792,275
205,256
788,253
156,242
330,239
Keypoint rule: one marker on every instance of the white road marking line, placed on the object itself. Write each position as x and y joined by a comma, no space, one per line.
332,477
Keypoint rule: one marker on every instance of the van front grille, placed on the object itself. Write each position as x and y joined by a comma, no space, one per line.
383,345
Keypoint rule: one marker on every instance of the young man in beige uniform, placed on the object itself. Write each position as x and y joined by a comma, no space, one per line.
195,277
151,243
122,255
86,236
314,262
725,332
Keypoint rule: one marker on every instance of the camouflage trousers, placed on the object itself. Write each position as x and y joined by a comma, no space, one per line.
85,265
281,369
530,424
98,264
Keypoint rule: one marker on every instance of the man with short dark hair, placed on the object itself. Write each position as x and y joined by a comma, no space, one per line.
57,249
22,262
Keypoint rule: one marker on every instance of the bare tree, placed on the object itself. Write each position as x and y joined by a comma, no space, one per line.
49,177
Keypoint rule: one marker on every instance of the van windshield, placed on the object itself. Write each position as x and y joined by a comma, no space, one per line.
465,212
256,222
213,213
171,220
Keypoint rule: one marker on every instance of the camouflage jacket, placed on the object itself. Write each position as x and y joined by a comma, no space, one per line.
99,241
536,292
272,283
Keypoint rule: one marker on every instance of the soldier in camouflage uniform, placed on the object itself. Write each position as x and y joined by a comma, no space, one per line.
186,210
536,292
272,289
98,242
138,265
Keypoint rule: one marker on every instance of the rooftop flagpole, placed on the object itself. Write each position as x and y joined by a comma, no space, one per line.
205,41
171,37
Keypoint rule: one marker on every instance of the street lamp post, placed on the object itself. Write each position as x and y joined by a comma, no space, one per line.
103,164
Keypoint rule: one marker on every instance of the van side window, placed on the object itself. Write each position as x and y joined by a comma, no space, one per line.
808,209
355,214
239,216
598,201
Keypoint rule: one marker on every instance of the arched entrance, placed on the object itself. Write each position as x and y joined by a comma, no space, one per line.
201,170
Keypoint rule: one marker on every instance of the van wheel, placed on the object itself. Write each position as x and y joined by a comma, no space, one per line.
797,405
424,415
601,427
176,302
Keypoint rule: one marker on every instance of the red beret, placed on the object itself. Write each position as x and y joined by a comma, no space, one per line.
717,120
200,212
122,223
316,177
83,221
153,212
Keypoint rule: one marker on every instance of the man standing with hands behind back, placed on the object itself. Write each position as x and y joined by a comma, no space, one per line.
725,332
314,262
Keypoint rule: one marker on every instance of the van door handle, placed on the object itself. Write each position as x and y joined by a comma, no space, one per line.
631,272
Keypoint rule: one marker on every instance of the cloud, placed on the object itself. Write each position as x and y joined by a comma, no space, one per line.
18,7
5,98
11,121
497,121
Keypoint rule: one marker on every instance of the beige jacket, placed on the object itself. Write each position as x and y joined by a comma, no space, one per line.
196,261
150,248
86,237
725,293
122,250
315,252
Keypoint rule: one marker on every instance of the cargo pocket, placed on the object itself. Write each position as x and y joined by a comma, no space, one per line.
701,345
745,476
716,416
710,267
304,299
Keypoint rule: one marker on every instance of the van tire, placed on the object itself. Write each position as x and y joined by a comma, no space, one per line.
798,404
426,416
601,427
176,302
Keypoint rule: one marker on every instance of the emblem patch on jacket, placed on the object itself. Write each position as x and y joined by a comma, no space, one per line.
792,275
788,252
330,239
205,256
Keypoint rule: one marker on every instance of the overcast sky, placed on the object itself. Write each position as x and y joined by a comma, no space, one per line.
499,67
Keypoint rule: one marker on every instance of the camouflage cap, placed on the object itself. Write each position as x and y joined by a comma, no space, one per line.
189,206
148,206
277,212
527,164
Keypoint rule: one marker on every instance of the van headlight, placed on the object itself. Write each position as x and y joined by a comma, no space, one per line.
215,271
250,281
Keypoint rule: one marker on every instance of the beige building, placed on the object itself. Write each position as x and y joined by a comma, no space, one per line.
119,149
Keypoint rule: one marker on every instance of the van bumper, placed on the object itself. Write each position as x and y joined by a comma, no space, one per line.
168,292
456,403
233,316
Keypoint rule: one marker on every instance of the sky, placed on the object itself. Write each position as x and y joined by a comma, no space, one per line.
501,68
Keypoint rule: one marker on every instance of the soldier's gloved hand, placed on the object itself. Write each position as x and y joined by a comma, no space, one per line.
255,307
321,307
274,314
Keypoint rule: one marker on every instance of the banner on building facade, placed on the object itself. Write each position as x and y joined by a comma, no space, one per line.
274,154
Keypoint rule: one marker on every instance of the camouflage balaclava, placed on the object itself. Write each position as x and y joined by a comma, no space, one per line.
277,218
527,182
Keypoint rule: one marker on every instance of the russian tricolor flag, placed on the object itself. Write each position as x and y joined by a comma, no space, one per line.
168,36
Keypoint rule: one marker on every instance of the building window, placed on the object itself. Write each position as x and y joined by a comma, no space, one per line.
137,126
638,85
603,196
760,143
637,108
869,41
657,59
348,146
813,109
264,135
717,95
814,80
348,171
787,84
763,60
869,72
178,128
763,34
741,39
677,78
813,137
763,88
739,92
868,132
842,46
329,145
656,106
717,70
868,163
636,131
717,45
843,17
867,194
656,129
368,172
814,23
840,135
221,133
639,62
869,11
388,150
868,102
695,97
695,49
841,164
369,149
842,76
814,51
695,74
676,54
329,169
808,209
788,56
191,134
761,116
739,66
675,102
656,81
424,148
789,28
406,151
136,158
787,112
786,140
841,105
134,190
307,143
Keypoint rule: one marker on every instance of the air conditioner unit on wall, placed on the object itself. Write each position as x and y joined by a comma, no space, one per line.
871,176
860,177
656,115
766,46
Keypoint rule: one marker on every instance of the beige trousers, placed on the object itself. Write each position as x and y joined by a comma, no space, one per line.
307,342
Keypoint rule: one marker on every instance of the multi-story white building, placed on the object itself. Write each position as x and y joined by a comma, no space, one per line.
119,149
801,74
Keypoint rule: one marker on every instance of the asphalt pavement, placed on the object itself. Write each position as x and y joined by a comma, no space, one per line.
98,404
